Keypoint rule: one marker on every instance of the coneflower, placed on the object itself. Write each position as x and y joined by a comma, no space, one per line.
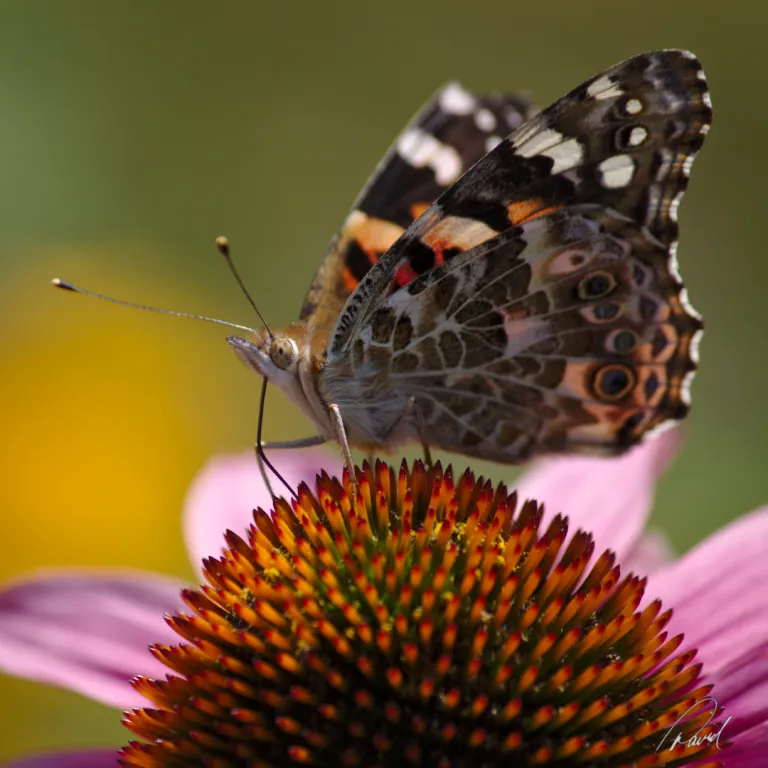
420,622
428,620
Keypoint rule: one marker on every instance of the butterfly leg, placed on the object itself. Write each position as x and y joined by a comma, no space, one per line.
261,457
422,432
413,406
421,426
263,469
341,436
304,442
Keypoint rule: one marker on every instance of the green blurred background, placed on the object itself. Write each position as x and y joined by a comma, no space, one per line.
132,133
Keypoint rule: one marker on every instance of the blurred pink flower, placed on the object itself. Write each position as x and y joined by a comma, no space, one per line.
89,631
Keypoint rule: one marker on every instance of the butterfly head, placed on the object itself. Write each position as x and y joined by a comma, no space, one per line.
276,357
284,359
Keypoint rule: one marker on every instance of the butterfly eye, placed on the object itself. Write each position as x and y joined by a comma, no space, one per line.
283,351
613,382
596,285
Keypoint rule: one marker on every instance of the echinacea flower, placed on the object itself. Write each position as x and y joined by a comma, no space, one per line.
431,620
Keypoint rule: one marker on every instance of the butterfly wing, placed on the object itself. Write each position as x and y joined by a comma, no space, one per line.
536,306
446,138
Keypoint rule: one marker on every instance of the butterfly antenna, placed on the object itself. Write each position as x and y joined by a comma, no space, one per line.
65,286
222,243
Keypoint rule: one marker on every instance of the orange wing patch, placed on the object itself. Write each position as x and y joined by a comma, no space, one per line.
374,236
417,209
525,210
350,281
363,241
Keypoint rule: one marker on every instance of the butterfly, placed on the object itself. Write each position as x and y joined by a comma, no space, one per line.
505,286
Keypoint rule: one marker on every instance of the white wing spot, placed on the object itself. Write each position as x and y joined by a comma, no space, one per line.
617,171
604,88
674,205
685,387
686,304
514,119
688,163
637,136
672,265
485,120
456,101
492,142
693,350
566,155
422,150
538,142
524,132
633,106
660,429
704,130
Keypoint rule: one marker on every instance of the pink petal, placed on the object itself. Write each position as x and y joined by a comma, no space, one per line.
228,489
741,687
609,497
749,749
652,552
87,631
717,592
100,758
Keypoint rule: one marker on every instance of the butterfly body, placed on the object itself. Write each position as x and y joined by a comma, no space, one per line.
506,284
372,419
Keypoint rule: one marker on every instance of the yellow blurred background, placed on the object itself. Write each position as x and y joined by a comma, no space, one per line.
133,133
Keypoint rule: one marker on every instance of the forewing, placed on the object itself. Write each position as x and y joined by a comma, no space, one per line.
624,140
536,307
449,135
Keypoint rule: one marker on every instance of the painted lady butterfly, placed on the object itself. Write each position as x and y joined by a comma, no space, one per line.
506,284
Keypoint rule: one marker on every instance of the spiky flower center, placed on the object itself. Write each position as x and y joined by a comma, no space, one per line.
419,622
